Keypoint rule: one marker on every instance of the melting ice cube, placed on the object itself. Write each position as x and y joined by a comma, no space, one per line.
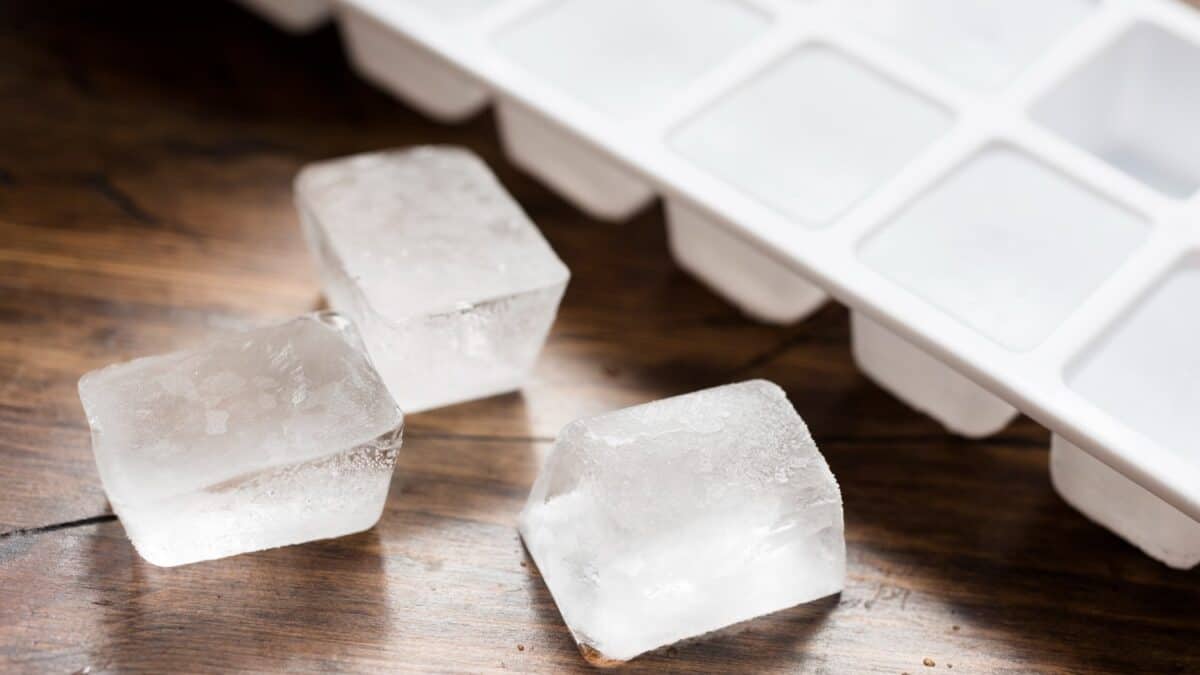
275,436
452,286
679,517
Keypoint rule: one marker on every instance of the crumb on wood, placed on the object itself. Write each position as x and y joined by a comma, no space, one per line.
594,657
954,627
928,662
520,648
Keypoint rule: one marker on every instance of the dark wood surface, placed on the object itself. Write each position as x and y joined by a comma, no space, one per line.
146,156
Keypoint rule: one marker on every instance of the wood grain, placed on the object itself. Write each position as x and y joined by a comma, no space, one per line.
146,156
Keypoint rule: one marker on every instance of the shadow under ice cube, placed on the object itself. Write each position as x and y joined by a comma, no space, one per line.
276,436
452,286
679,517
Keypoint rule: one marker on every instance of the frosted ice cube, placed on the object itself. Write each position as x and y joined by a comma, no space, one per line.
451,285
272,437
679,517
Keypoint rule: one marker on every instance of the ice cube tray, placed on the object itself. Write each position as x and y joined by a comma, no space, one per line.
297,16
1003,191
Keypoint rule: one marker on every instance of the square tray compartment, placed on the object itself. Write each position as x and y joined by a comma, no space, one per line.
925,383
806,137
580,173
1136,107
416,75
996,245
1146,371
980,44
1122,506
297,16
743,274
636,53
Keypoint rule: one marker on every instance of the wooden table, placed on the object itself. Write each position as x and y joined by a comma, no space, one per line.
146,158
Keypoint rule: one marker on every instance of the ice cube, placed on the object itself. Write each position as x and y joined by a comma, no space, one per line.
679,517
272,437
452,286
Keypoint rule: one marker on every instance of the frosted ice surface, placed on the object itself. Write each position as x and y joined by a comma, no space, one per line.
275,436
451,285
679,517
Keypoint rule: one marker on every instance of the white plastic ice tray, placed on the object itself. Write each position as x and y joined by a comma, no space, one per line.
1004,191
297,16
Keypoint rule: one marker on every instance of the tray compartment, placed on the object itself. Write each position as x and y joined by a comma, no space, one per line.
808,137
754,282
1123,507
1136,106
296,16
978,44
988,245
636,53
418,76
581,174
925,383
451,10
1145,372
1006,245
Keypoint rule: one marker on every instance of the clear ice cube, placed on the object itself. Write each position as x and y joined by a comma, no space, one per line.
266,438
453,288
679,517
